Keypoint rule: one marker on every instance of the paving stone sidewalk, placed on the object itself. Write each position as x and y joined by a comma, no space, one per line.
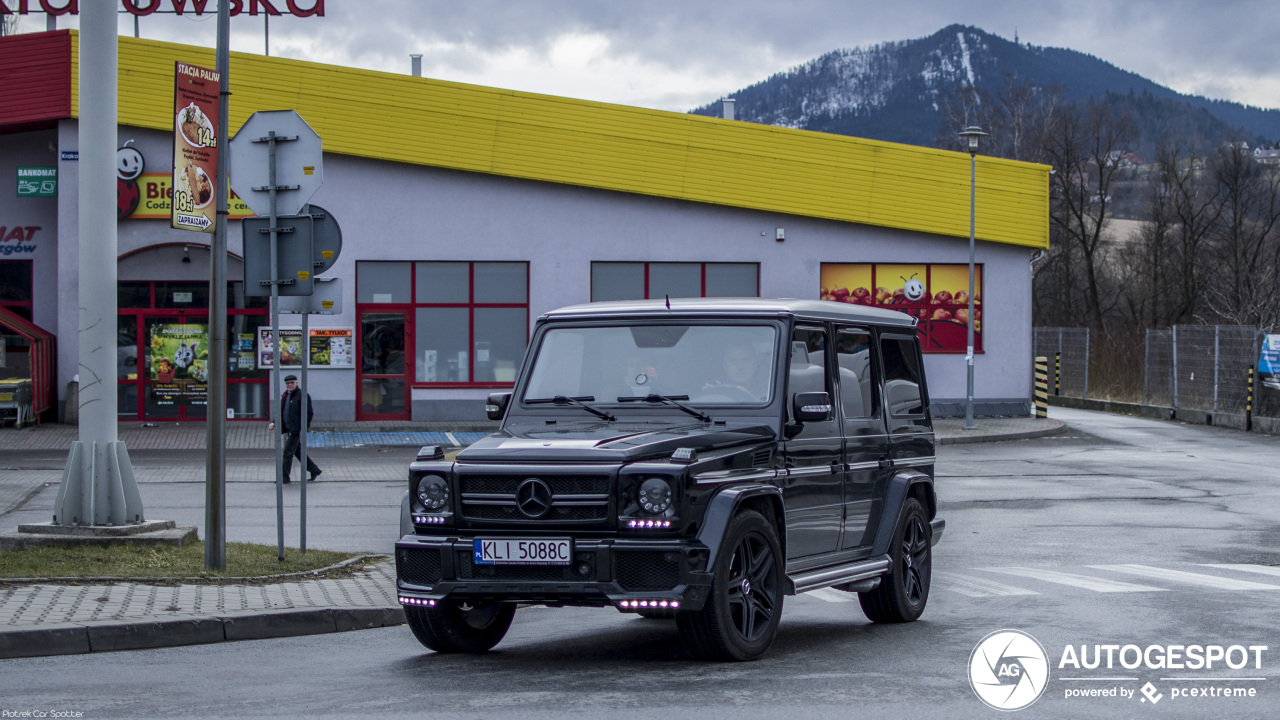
61,618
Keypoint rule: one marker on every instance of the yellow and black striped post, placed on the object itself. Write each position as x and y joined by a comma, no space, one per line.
1042,387
1057,373
1248,403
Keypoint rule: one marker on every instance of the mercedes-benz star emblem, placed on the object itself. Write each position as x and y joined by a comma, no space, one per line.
534,498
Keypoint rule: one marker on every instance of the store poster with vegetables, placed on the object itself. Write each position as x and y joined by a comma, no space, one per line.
195,148
178,363
332,348
935,294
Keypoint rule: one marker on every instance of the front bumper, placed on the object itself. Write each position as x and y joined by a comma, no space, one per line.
627,574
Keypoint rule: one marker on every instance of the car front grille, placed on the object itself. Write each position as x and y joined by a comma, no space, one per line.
575,499
647,570
418,566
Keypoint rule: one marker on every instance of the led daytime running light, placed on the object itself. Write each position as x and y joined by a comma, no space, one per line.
417,601
648,524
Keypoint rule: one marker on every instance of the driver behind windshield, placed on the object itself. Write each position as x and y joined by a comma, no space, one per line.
741,376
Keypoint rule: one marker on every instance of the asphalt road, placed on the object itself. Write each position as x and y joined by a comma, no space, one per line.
1122,531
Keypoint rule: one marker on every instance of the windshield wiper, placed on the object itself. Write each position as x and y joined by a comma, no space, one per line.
668,400
564,400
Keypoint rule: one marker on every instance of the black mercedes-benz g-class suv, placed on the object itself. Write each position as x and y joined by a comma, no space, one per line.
697,459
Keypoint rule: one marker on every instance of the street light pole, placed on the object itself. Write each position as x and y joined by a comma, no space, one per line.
971,135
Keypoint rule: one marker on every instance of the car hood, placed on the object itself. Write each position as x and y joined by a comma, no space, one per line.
603,442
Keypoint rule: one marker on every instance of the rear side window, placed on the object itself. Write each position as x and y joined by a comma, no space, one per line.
901,376
853,353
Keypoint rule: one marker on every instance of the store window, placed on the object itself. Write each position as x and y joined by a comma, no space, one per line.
162,352
641,281
464,324
16,286
936,294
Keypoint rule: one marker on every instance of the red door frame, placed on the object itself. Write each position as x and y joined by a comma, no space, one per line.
406,311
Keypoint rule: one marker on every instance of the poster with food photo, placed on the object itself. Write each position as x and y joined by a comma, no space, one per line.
195,148
936,294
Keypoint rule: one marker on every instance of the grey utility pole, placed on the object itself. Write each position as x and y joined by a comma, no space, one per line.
971,134
98,487
215,478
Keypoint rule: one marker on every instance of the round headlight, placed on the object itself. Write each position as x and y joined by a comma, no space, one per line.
654,496
433,492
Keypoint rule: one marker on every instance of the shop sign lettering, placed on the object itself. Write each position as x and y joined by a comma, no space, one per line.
17,239
37,182
156,190
297,8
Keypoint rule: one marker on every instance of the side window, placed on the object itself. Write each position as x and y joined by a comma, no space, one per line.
853,358
901,376
808,367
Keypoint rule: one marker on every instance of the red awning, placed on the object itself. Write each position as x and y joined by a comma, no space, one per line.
43,358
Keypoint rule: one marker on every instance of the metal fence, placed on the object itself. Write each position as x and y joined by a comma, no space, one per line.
1194,367
1068,353
1206,367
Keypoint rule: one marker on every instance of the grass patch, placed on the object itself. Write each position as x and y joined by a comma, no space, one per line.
164,561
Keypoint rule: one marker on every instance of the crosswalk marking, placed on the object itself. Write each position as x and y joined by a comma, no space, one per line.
1259,569
977,587
1181,576
832,596
1080,581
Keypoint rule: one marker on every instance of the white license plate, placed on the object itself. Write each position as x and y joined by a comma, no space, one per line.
522,551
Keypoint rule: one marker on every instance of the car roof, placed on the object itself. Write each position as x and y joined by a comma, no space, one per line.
690,307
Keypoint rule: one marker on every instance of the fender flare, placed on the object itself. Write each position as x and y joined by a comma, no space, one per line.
725,505
406,524
895,495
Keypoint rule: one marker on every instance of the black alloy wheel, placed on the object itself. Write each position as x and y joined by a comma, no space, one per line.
904,590
740,618
455,626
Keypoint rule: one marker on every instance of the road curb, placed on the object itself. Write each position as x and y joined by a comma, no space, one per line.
1057,427
83,638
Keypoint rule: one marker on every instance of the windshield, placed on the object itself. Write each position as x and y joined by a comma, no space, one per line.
710,364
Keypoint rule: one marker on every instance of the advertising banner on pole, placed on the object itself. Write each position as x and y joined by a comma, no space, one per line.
195,148
177,363
1269,362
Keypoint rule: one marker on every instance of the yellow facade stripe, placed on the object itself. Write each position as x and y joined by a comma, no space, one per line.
399,118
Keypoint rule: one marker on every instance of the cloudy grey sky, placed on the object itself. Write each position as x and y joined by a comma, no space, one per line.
677,54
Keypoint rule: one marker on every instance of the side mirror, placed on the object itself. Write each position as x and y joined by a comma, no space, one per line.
811,407
496,406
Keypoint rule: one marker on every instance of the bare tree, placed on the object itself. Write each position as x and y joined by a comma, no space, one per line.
1085,146
1196,206
8,24
1244,285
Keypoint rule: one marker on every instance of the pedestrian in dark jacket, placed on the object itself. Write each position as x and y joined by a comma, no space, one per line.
291,426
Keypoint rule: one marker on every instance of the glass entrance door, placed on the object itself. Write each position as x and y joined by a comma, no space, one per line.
384,368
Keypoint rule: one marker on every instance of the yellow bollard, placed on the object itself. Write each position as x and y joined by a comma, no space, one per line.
1042,387
1248,404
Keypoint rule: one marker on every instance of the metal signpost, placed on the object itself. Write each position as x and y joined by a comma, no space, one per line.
279,182
325,301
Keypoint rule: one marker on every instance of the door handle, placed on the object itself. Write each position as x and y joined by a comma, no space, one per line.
886,463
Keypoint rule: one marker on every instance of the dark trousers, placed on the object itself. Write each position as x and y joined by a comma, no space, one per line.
292,449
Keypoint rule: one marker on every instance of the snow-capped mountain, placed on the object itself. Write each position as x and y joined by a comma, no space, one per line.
894,90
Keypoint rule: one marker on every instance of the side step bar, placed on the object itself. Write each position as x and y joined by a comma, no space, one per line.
826,577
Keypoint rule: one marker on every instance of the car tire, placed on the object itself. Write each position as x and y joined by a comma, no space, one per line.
904,590
457,627
740,618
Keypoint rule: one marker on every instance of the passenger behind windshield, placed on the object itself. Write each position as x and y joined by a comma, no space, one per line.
712,364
